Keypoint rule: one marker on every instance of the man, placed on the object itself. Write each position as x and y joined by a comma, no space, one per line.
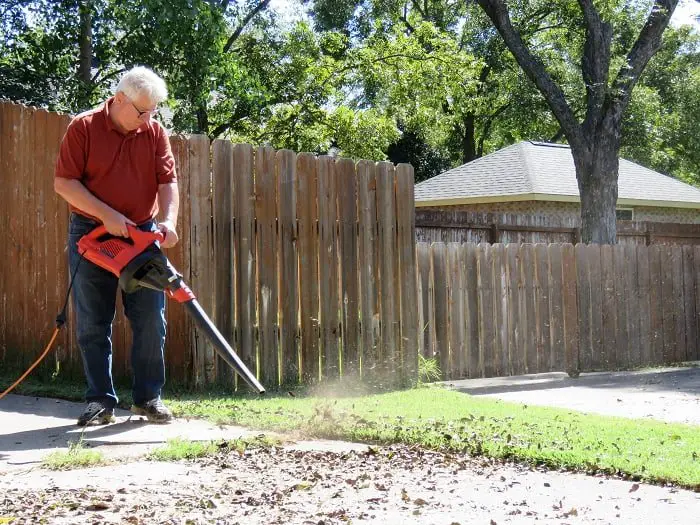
115,167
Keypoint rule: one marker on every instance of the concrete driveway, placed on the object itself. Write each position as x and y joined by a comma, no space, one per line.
665,394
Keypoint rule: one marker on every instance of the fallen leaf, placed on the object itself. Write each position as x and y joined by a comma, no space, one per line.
635,487
404,495
98,505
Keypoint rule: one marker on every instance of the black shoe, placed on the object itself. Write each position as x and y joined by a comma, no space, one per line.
96,413
154,410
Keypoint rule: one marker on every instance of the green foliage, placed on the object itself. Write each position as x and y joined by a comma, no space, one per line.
428,370
179,449
413,149
442,419
77,456
661,127
431,82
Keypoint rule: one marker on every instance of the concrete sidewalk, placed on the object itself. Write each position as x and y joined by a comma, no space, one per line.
33,427
665,394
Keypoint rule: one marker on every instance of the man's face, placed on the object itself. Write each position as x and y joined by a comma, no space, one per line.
136,111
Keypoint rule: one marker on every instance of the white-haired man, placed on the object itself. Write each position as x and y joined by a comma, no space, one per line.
115,167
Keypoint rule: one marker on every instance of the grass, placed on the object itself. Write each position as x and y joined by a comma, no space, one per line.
441,419
77,456
182,449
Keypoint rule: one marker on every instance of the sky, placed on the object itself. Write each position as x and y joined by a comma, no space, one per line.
687,13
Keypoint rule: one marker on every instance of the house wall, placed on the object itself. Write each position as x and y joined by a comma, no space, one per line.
569,213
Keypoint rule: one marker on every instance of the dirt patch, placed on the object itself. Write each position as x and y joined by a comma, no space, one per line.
286,486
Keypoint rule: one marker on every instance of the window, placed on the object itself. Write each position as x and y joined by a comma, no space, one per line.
624,214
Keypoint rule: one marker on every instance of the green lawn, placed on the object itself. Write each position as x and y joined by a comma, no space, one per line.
443,419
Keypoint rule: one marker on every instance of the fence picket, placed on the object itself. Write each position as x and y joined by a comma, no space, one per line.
290,195
222,186
369,288
349,279
557,353
244,214
470,256
455,298
266,214
328,266
440,292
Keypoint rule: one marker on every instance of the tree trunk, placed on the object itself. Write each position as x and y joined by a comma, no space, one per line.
597,171
468,139
85,61
202,120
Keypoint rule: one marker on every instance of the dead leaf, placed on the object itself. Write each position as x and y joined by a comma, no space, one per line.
420,501
98,505
635,487
404,495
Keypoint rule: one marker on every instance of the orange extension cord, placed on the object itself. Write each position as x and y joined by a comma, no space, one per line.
42,356
60,321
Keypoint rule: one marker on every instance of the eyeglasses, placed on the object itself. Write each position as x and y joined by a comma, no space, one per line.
149,112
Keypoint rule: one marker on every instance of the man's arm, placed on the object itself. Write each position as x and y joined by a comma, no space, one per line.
73,191
169,205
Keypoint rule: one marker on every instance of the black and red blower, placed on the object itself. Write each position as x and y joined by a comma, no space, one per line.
139,262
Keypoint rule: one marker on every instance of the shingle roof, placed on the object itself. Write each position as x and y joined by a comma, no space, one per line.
541,171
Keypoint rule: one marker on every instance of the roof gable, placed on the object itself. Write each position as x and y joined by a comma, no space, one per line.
540,171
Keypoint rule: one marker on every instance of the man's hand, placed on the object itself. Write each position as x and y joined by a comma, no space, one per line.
171,237
116,223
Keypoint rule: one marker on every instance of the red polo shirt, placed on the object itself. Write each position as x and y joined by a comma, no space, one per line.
122,170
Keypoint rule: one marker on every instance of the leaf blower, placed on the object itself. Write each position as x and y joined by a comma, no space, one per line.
138,262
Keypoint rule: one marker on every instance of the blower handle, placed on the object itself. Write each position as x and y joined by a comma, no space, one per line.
113,252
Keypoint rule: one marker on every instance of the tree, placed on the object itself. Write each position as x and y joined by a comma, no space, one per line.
662,125
595,142
476,102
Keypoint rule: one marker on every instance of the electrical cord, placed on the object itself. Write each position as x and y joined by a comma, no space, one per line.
60,321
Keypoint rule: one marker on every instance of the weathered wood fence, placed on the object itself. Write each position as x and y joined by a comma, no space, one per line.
306,264
505,228
490,310
309,267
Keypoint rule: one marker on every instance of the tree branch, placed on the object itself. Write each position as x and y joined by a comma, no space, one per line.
533,68
237,33
409,27
595,63
487,128
648,42
417,7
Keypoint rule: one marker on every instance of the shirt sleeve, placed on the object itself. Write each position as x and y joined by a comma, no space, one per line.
70,163
165,162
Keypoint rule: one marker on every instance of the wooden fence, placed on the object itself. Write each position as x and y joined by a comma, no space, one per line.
306,264
505,228
490,310
309,267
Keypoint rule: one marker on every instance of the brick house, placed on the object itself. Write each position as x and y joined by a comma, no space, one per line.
528,192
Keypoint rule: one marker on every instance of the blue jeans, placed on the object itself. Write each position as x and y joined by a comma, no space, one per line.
94,299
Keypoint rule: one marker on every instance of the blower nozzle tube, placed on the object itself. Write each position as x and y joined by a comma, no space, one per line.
220,345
